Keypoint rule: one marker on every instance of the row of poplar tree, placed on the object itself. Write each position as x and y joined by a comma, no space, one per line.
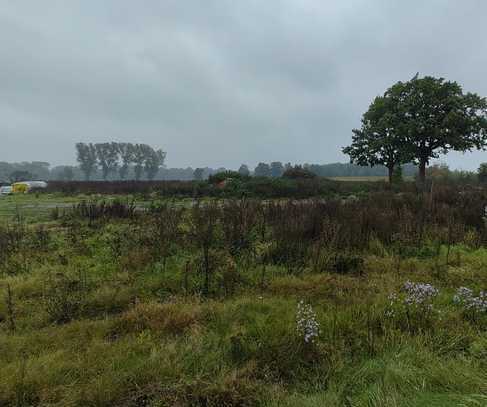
117,158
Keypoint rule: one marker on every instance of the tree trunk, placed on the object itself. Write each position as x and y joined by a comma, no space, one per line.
422,172
391,173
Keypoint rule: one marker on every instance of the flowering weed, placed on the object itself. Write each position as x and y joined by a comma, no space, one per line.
307,326
419,295
472,305
414,302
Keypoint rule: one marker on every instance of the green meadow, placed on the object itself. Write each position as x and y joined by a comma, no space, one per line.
107,301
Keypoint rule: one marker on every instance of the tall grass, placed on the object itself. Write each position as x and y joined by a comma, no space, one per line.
200,306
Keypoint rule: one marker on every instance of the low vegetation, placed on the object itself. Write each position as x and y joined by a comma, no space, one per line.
370,300
233,187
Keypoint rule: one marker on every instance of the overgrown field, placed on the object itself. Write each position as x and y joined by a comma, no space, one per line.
369,178
377,301
256,187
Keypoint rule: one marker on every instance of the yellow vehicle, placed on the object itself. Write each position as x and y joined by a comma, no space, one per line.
20,188
25,186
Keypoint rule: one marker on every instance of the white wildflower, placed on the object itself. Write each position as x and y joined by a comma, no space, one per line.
307,326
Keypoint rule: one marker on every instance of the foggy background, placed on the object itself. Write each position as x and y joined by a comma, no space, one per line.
220,82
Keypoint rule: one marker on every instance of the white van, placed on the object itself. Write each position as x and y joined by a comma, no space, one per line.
7,190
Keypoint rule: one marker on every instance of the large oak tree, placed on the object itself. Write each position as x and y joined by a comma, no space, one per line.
379,142
418,120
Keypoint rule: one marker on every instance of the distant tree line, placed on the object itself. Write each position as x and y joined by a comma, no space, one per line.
277,169
11,172
38,170
115,159
22,171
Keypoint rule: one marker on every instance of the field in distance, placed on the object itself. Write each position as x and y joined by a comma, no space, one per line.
373,178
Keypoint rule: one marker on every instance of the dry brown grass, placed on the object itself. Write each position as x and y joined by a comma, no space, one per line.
170,318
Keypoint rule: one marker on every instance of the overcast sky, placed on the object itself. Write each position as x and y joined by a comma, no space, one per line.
217,82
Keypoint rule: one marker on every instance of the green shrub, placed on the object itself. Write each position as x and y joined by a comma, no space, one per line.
226,175
348,264
64,299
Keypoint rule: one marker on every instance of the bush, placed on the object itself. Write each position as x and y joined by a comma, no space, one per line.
64,299
104,210
348,264
305,186
298,172
226,175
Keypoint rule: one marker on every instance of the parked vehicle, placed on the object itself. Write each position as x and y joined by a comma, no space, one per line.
6,190
25,186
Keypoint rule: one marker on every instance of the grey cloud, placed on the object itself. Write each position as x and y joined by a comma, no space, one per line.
220,82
